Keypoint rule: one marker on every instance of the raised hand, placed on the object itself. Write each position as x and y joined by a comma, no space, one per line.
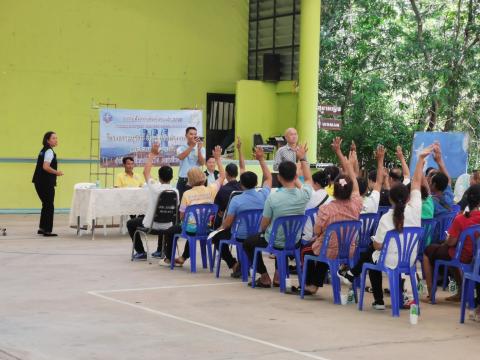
301,151
259,154
217,152
399,152
427,151
239,143
353,146
437,152
380,152
336,144
155,150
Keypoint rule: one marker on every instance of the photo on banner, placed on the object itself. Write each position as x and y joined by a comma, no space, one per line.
454,147
125,132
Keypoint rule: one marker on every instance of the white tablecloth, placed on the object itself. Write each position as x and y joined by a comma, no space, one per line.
90,204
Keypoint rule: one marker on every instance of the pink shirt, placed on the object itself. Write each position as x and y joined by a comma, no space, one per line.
337,210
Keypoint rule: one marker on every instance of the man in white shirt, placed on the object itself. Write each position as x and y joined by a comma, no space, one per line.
165,175
289,151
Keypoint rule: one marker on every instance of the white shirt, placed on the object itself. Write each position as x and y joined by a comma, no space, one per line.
48,157
413,217
211,177
370,203
154,189
317,198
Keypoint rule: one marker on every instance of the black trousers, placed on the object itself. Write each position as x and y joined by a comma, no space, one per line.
249,246
182,186
226,254
46,193
134,223
375,276
316,271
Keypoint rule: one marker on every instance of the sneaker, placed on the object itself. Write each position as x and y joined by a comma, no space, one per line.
378,305
49,234
140,256
157,254
346,276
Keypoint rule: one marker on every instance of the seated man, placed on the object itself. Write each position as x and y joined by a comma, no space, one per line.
319,198
198,194
250,199
165,175
291,199
211,173
440,187
128,178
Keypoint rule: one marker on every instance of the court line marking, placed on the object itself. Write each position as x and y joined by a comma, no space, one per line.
165,287
100,295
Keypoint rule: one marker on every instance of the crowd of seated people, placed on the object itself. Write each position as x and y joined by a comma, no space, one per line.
339,194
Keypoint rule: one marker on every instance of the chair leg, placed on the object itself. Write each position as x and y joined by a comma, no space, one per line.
220,245
394,293
413,282
254,266
211,254
298,266
282,271
306,259
445,278
203,252
192,244
174,246
363,277
464,300
434,282
244,263
336,286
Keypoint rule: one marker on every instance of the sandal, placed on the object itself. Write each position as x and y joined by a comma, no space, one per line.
297,290
259,284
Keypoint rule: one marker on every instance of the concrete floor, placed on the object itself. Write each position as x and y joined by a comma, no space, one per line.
74,298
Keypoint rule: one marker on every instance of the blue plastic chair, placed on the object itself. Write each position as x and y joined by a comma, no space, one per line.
469,280
292,227
251,219
310,214
346,232
472,232
203,215
382,210
405,246
443,224
369,227
428,226
456,208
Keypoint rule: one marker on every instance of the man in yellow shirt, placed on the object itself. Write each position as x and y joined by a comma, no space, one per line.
128,178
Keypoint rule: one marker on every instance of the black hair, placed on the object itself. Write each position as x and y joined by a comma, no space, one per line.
231,170
165,173
398,196
332,172
362,185
46,137
428,170
190,128
423,190
440,180
372,175
124,160
321,178
248,179
342,187
396,174
473,198
287,170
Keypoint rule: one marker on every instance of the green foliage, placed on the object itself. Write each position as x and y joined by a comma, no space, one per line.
396,67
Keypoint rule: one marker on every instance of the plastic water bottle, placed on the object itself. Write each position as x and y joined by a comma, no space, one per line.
452,286
350,297
97,184
413,314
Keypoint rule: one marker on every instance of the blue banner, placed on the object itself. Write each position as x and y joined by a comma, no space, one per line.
126,132
454,147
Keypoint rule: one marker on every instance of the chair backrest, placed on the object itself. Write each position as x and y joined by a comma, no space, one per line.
476,264
346,232
369,226
405,246
456,208
443,223
232,195
257,139
250,218
292,226
428,226
203,215
472,233
166,209
382,210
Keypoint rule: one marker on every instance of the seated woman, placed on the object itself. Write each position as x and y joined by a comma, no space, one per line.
446,250
406,211
346,206
198,194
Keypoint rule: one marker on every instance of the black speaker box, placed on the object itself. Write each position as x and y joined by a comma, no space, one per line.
271,67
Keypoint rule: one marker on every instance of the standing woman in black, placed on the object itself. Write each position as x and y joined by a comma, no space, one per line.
45,180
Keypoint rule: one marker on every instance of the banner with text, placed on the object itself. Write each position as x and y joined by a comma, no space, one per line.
125,132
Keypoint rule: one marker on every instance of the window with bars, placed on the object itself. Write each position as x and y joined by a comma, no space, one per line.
274,28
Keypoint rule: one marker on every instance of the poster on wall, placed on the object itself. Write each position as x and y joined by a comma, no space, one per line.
454,147
125,132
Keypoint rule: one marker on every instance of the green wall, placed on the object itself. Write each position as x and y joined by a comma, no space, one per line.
264,107
60,57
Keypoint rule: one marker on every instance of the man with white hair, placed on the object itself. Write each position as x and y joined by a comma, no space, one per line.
289,151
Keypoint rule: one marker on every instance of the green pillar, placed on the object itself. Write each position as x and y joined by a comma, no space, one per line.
308,75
